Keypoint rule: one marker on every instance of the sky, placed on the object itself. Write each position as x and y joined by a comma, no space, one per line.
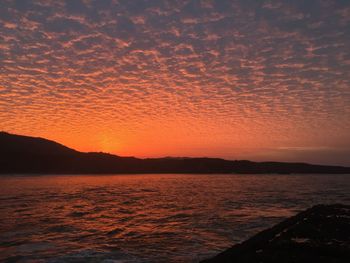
257,80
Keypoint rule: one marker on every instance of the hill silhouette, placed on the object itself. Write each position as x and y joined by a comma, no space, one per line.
24,155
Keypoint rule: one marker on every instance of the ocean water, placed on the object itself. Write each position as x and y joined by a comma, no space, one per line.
148,218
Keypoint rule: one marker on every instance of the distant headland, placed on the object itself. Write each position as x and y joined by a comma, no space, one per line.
30,155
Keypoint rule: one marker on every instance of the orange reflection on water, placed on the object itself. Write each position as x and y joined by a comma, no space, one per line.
155,218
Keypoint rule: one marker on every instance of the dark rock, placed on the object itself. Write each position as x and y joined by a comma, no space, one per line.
319,234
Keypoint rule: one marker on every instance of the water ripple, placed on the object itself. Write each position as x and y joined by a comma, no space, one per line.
148,218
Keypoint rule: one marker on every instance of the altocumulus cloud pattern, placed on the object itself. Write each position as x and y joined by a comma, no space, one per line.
235,79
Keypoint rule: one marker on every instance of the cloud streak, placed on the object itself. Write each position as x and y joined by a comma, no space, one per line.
177,77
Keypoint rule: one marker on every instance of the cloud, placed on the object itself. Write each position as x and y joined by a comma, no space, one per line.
273,74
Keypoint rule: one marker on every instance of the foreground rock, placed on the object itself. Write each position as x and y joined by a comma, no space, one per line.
319,234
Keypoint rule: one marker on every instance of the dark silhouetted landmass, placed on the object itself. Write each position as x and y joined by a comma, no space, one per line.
23,154
320,234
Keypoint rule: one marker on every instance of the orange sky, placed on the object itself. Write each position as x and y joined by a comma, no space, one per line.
224,79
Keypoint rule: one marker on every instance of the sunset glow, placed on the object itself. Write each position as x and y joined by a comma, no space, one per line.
180,78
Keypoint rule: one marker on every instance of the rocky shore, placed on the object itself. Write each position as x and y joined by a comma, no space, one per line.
319,234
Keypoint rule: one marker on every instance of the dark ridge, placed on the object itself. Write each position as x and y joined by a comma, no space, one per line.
319,234
31,145
24,154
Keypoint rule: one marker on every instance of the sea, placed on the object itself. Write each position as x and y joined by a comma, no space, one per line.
149,217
